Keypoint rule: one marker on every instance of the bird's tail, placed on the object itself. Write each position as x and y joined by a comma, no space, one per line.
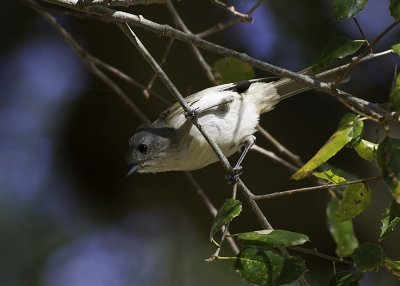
287,87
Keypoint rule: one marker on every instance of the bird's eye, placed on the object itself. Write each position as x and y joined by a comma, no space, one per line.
142,148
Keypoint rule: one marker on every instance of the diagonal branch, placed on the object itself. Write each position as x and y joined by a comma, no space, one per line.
359,104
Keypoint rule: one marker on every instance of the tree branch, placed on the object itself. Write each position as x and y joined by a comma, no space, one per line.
359,104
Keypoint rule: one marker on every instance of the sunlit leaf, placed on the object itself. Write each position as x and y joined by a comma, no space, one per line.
343,9
396,49
394,99
338,48
368,257
356,199
329,176
260,266
349,132
342,232
232,70
229,210
388,157
390,219
366,150
346,279
272,238
395,9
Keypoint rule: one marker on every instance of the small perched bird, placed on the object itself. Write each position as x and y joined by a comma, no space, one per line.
229,114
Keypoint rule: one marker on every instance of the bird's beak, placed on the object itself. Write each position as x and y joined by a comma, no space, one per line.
132,168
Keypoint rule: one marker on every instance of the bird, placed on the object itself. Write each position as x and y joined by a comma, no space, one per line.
228,113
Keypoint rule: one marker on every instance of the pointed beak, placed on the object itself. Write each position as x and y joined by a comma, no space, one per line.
132,168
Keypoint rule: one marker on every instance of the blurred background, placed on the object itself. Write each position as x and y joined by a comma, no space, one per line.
68,214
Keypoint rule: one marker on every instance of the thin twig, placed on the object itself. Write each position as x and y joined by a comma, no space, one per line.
313,188
148,90
368,49
126,78
231,9
295,158
211,208
315,252
121,3
179,22
222,26
274,157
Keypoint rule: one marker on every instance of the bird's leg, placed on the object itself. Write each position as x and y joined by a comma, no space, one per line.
190,114
233,175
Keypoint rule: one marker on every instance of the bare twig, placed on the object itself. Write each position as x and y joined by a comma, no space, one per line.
313,188
274,157
315,252
211,208
295,158
231,9
123,3
222,26
148,90
179,22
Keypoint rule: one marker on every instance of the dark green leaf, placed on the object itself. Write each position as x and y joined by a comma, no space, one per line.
293,268
394,99
366,150
393,266
261,266
272,238
349,132
395,9
337,48
229,210
396,49
343,9
232,70
356,199
368,257
346,279
388,157
390,219
329,176
342,232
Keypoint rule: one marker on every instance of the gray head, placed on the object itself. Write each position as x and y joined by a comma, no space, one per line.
148,149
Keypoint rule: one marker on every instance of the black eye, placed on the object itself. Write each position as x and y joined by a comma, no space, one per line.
142,148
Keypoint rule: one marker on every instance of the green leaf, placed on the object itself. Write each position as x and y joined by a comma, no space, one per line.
390,220
366,150
395,9
272,238
368,257
232,70
293,268
393,266
396,49
355,200
261,266
338,48
394,99
329,176
346,279
342,232
388,157
229,210
349,132
343,9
